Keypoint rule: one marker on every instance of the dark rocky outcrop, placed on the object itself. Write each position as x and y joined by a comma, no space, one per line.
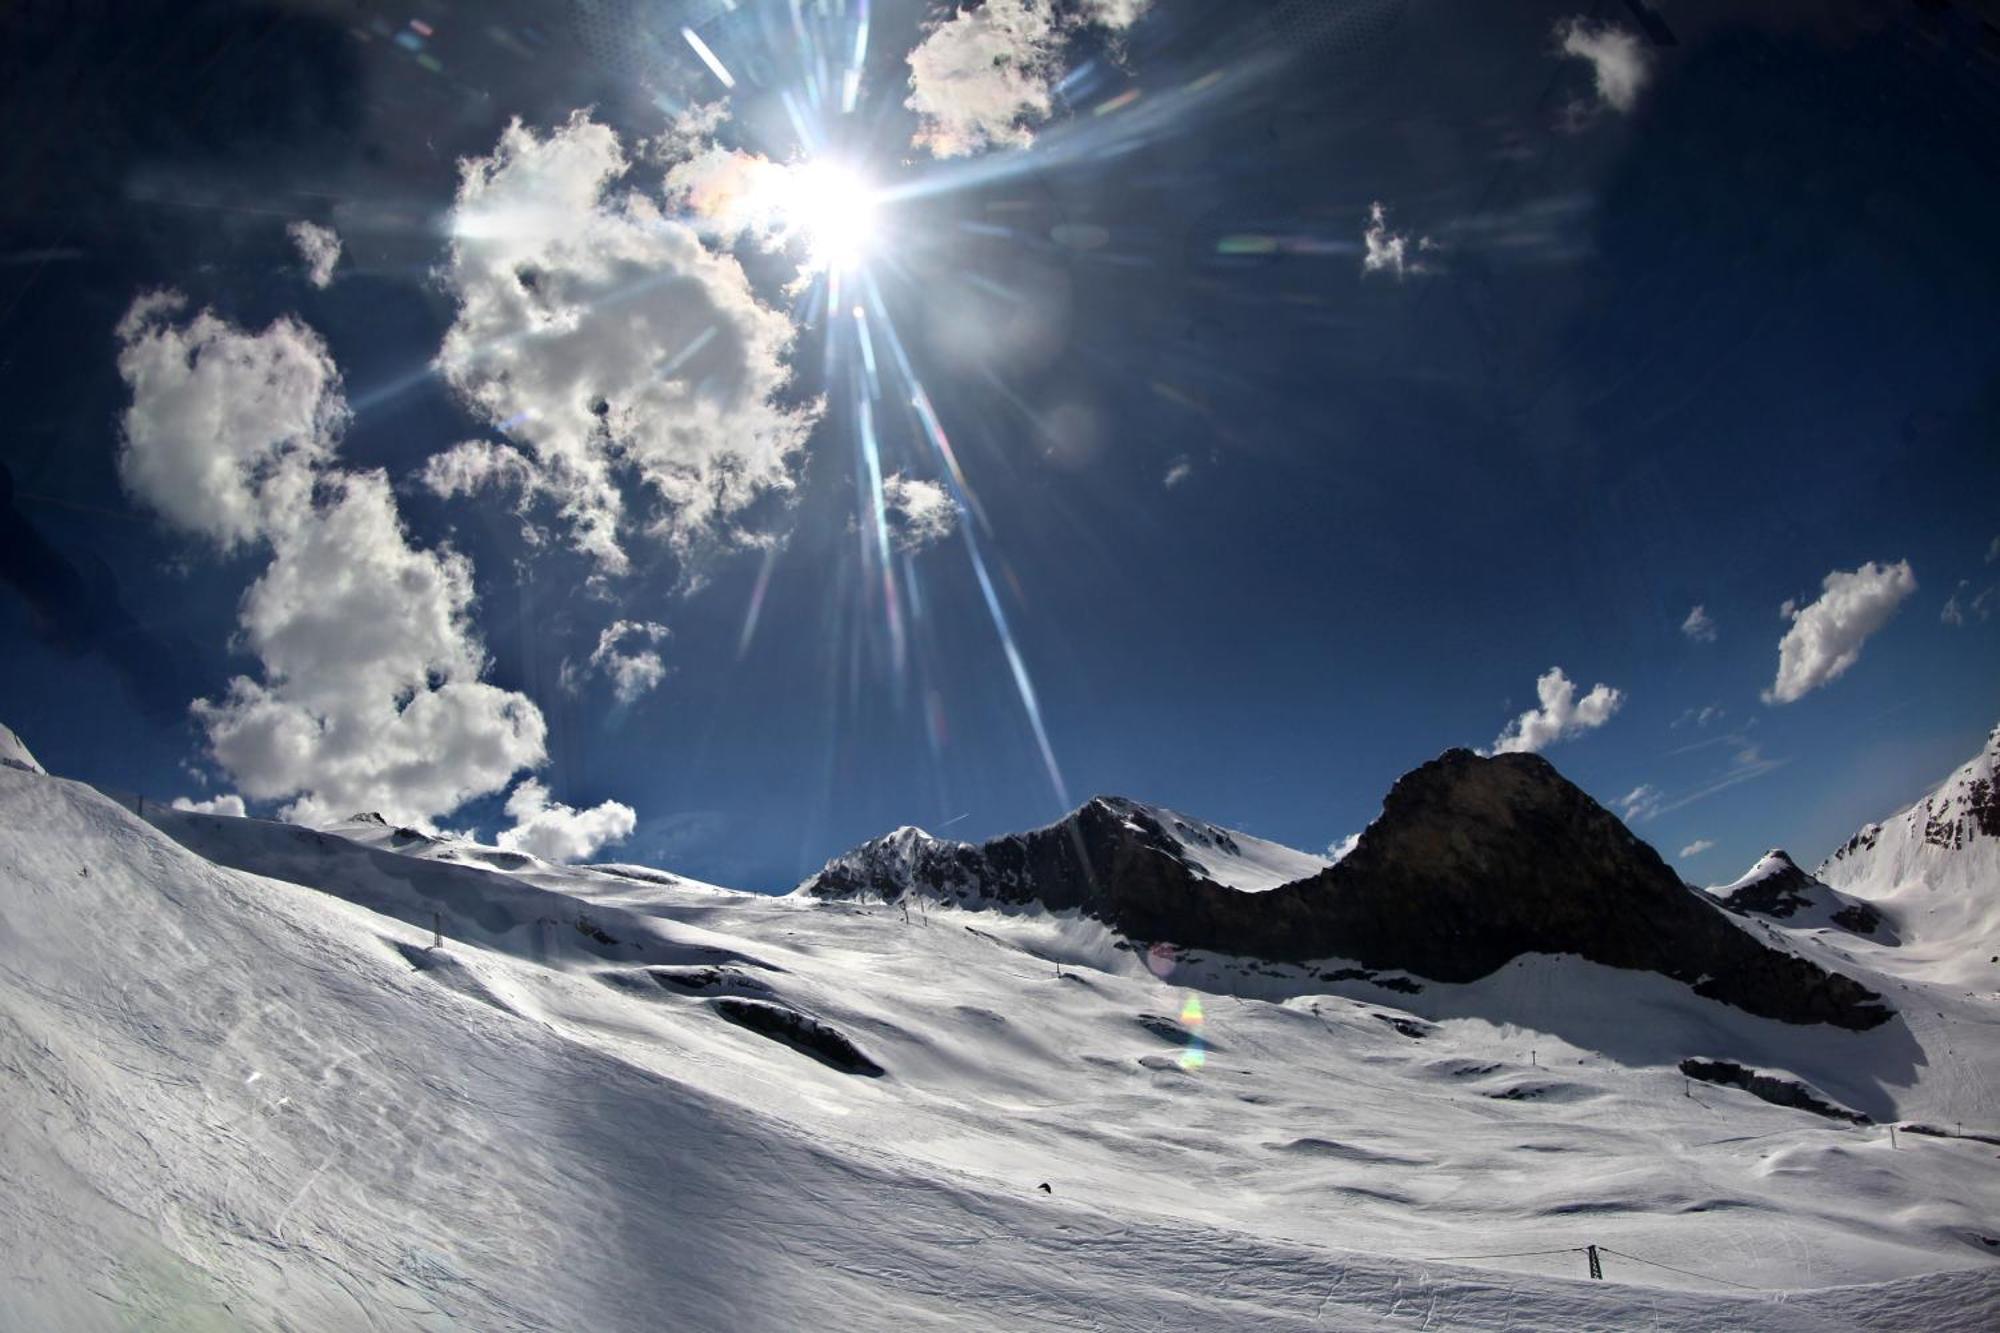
800,1031
1474,861
1773,1088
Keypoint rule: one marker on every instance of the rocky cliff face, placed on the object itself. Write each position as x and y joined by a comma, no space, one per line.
1933,871
1473,862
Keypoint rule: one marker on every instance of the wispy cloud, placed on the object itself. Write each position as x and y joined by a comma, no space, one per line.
1699,625
1639,804
1696,848
1977,607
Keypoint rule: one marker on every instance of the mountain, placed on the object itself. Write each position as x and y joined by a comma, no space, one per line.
13,754
1474,861
1776,888
249,1086
1934,871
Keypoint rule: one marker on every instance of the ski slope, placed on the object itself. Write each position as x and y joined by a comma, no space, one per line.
244,1090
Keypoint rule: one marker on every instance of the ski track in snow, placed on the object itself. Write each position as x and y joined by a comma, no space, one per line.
263,1100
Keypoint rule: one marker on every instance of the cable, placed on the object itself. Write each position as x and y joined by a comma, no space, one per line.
1513,1254
1605,1249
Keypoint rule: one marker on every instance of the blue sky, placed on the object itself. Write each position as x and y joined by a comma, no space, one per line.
1646,327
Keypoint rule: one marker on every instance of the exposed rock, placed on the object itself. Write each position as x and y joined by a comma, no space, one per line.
801,1031
1774,1088
1776,888
1474,861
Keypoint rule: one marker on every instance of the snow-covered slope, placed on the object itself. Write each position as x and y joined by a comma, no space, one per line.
1934,871
244,1101
1234,860
13,754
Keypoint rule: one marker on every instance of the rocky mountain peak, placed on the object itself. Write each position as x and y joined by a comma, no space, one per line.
1474,861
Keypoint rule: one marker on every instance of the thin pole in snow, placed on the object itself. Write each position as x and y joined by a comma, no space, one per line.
437,930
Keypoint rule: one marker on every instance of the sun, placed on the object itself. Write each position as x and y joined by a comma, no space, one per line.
831,207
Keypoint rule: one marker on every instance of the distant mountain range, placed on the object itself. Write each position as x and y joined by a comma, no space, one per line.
1474,861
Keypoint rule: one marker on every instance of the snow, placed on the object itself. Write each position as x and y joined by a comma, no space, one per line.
1234,860
1934,871
257,1097
14,754
1806,903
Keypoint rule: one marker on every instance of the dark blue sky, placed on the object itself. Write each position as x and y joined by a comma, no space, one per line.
1707,350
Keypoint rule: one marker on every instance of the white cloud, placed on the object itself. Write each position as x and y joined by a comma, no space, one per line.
230,804
1993,551
472,466
557,832
1385,251
921,513
1561,715
1115,14
1641,803
369,693
215,411
632,673
1699,625
1617,58
1826,637
981,76
1178,471
1979,608
596,330
1696,848
1697,717
319,247
1339,848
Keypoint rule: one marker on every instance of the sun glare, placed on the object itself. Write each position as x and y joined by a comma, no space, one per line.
832,208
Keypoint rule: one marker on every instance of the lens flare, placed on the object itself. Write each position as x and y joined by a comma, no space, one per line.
831,208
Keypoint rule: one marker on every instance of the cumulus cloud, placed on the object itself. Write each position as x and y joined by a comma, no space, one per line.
1641,803
1338,849
1617,59
557,832
1561,715
1699,626
319,247
230,804
920,512
217,411
370,696
1696,848
1385,251
598,332
983,77
635,671
1826,636
369,693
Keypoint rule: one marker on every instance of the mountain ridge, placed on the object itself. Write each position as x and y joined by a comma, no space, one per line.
1475,860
